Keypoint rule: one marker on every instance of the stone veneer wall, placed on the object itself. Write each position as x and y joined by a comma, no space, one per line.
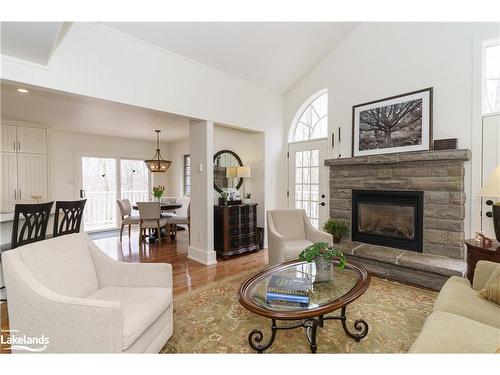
439,174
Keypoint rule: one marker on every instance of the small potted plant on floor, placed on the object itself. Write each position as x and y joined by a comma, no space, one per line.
323,256
337,228
247,199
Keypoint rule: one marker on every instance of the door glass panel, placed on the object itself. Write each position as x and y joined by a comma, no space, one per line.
307,183
99,183
134,179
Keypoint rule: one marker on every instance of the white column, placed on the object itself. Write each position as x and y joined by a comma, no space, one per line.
201,142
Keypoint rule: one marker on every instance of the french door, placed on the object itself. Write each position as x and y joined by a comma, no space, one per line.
308,179
491,159
103,181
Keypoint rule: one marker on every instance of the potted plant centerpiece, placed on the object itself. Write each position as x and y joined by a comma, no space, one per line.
337,228
158,191
323,256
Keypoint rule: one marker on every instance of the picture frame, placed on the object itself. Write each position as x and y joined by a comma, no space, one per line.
400,123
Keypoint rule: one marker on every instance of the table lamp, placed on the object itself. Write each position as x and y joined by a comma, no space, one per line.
492,190
243,172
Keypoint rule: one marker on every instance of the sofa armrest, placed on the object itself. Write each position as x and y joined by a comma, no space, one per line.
111,272
71,324
482,273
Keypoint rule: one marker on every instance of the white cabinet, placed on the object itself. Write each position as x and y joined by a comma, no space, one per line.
31,178
31,140
8,185
9,139
23,163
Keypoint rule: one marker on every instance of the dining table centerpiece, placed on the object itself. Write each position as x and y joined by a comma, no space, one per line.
158,191
324,256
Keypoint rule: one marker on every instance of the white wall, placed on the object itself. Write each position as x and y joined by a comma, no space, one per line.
66,148
378,60
99,62
250,148
175,174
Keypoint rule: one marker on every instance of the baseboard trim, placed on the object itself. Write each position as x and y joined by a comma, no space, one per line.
202,256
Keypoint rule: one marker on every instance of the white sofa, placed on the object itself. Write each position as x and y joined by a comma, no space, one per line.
67,289
462,321
289,231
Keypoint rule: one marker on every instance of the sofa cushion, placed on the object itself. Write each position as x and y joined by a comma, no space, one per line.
295,247
140,307
459,298
63,264
449,333
289,223
491,290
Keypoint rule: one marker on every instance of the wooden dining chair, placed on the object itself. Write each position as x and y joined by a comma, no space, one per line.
68,217
30,223
149,213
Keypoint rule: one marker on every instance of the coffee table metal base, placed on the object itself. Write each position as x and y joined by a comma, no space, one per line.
311,326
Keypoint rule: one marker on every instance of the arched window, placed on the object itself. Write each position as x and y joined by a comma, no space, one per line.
311,122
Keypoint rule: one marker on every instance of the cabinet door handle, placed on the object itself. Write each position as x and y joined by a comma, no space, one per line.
18,146
20,194
14,145
15,194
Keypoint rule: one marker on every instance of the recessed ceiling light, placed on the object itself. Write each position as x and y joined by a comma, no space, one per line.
22,91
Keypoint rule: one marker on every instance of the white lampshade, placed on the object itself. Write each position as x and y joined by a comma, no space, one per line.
231,172
243,171
492,187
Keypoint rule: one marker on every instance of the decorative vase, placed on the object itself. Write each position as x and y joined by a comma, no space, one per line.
324,271
222,202
335,239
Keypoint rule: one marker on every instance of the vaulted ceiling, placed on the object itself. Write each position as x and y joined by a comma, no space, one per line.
271,54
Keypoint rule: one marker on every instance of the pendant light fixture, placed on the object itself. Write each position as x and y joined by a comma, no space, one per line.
157,164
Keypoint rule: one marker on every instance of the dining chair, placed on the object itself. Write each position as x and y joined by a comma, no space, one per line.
181,219
127,217
68,217
149,213
30,223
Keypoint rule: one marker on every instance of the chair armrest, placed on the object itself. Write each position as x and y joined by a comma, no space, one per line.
111,272
315,235
72,325
482,273
275,244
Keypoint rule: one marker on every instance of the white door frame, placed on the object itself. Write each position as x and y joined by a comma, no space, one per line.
323,193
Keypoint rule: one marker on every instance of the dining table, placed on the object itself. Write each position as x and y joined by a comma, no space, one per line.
164,206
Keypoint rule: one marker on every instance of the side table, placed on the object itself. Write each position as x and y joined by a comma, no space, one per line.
476,252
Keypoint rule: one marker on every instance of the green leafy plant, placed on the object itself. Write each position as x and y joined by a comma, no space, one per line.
337,228
248,196
158,191
224,195
322,249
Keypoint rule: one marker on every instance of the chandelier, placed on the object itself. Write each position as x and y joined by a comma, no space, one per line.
157,163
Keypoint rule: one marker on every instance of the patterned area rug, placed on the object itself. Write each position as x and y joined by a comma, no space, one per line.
211,320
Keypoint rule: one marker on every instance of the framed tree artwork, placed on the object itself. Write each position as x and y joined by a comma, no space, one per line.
396,124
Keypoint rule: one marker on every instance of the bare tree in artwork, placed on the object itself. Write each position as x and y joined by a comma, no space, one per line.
393,125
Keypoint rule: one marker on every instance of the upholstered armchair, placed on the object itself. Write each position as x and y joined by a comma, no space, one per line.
289,231
67,289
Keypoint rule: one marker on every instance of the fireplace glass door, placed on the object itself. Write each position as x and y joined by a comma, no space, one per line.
396,221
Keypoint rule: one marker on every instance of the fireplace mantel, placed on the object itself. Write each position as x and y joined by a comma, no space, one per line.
439,174
402,157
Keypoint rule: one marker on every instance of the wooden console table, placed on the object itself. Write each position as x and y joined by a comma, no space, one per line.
476,252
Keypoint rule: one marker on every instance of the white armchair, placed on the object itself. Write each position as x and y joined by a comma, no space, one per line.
289,231
67,289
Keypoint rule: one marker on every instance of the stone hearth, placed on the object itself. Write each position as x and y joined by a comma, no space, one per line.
440,175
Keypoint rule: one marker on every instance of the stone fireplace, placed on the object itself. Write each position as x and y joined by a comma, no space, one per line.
388,218
405,210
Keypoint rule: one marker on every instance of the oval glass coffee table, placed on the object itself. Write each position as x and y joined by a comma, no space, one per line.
325,297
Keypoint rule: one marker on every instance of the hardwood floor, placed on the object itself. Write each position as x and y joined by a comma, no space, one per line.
187,274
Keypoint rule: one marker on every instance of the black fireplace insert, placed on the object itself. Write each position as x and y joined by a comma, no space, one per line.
388,218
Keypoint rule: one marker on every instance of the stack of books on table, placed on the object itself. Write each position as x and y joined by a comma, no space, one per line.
288,291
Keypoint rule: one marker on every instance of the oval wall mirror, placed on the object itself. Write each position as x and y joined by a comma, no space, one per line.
226,163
